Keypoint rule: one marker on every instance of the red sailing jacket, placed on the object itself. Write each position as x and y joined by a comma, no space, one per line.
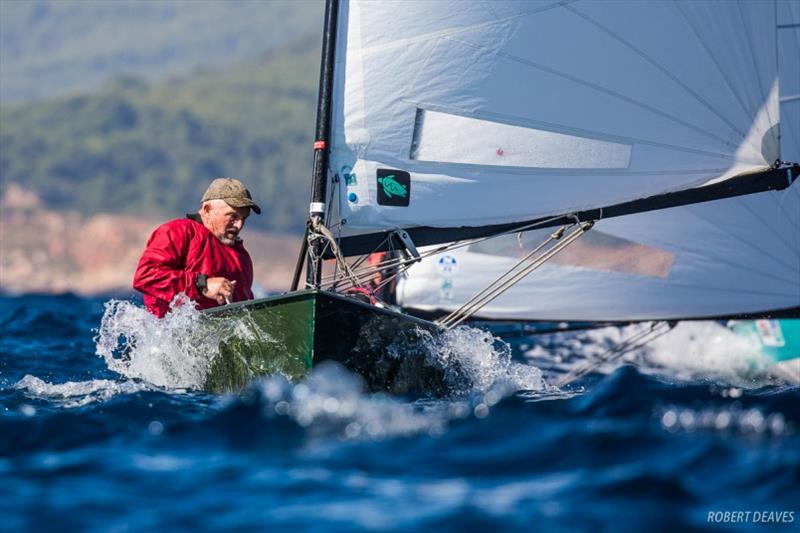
174,256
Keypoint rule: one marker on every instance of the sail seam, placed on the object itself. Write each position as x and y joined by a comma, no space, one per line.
748,42
720,70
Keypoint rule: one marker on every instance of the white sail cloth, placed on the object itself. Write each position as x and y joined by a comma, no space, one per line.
506,111
789,71
738,255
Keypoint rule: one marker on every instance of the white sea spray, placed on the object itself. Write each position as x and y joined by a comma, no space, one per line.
481,360
174,352
333,400
708,350
702,350
77,393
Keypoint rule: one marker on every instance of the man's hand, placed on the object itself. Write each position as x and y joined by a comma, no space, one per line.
219,289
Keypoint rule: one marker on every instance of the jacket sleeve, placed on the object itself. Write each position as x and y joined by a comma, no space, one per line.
160,272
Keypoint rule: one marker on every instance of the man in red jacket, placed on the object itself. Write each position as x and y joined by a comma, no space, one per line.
200,255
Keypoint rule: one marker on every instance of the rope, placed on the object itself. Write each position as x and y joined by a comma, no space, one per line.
320,231
367,272
635,342
512,276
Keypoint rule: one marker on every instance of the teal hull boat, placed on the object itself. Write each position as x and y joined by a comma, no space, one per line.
290,334
778,340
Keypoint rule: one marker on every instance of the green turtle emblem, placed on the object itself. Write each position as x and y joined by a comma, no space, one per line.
391,187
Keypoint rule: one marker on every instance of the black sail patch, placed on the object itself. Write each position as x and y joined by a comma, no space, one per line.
394,187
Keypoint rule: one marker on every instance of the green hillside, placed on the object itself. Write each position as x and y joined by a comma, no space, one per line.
54,47
136,147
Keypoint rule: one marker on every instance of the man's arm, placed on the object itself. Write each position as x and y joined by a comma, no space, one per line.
160,272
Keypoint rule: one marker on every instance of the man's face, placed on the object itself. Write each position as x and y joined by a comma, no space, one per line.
223,221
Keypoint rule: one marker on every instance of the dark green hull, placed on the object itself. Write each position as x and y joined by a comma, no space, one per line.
291,333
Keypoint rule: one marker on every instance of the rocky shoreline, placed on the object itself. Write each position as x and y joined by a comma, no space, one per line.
51,252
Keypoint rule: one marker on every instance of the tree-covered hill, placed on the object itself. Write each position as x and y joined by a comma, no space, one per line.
136,147
55,47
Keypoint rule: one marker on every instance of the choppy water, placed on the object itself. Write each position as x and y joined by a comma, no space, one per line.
92,442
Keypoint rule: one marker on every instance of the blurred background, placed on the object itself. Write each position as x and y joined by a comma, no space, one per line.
115,116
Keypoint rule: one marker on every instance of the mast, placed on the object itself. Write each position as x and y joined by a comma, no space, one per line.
317,206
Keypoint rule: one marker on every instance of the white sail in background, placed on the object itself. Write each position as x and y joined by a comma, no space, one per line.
506,111
738,255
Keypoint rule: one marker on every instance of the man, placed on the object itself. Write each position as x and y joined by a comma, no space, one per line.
200,255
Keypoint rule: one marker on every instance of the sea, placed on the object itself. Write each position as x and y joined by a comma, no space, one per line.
552,432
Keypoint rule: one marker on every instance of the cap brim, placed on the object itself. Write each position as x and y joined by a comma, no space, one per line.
243,203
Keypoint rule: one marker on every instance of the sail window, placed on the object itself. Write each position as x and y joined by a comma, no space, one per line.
446,138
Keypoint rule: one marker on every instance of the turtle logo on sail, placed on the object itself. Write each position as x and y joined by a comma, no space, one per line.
391,187
394,187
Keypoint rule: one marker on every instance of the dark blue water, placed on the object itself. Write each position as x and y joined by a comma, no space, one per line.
83,448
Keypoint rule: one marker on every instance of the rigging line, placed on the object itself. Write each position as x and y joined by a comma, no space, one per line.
389,279
510,282
658,66
750,49
618,96
611,353
460,244
324,232
357,263
499,279
508,279
480,298
363,273
736,95
635,342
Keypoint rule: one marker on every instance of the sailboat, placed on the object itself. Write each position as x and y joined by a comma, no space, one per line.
446,125
699,262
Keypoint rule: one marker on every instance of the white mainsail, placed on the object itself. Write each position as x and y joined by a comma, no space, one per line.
506,111
731,256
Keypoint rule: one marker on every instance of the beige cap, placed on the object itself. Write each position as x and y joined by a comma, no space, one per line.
232,191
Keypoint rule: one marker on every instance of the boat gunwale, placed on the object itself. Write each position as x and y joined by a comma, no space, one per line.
293,296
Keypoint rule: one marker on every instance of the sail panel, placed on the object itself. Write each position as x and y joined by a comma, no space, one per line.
668,95
789,68
727,257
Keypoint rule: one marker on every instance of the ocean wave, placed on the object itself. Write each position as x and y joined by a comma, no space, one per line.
76,393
